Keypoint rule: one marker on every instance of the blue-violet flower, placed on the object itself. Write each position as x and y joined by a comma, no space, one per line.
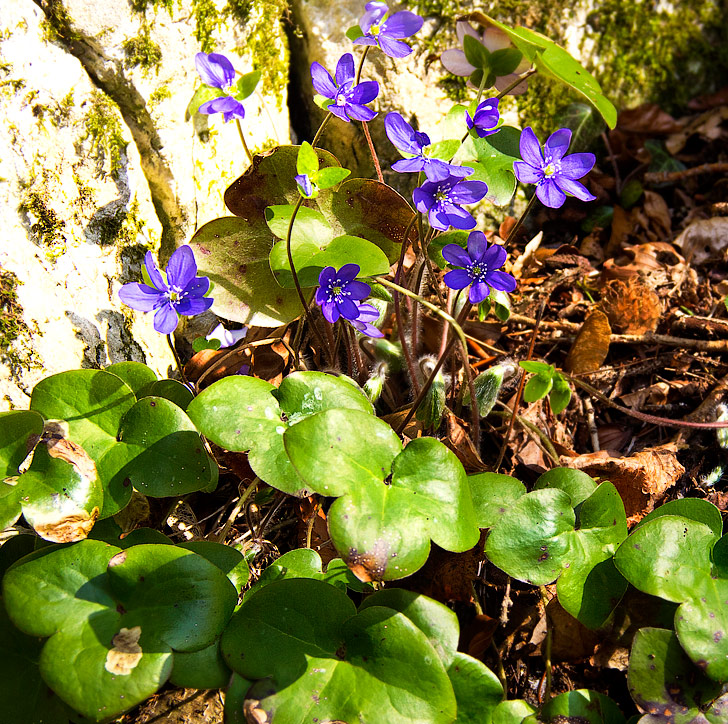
480,264
349,99
368,314
406,139
553,173
305,185
182,293
227,337
485,119
441,201
388,35
218,72
491,39
339,292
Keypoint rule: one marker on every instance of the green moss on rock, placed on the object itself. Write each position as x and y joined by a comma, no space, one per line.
142,51
103,128
46,226
57,26
14,332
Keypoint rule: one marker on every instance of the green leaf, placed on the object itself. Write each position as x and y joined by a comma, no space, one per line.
310,259
307,162
662,679
697,509
493,494
505,61
433,618
227,559
584,123
164,454
136,375
18,430
329,177
560,394
476,53
582,705
513,711
668,557
171,390
444,150
487,386
575,483
660,160
538,387
203,94
537,368
304,635
354,32
200,343
477,690
309,226
93,403
246,85
235,697
554,62
203,669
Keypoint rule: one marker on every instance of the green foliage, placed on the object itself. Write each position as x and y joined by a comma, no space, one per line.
546,380
142,51
103,129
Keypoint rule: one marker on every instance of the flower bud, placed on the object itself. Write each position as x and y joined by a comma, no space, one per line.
487,386
433,405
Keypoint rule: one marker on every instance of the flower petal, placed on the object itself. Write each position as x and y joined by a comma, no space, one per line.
557,144
494,257
423,200
165,319
339,111
575,189
550,194
365,92
375,11
456,63
501,281
358,290
347,272
365,40
368,313
410,165
478,292
322,81
459,218
140,296
456,255
197,287
394,48
438,218
577,165
330,311
360,113
345,69
154,274
402,24
526,173
477,245
347,308
504,81
457,279
193,305
468,192
182,268
530,148
438,170
495,39
463,28
215,70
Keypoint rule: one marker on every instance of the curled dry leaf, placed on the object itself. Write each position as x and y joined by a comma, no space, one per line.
641,479
126,652
591,345
704,239
631,308
459,442
656,262
707,125
653,395
658,213
206,358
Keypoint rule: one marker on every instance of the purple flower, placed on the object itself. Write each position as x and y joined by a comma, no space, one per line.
388,35
305,185
441,201
406,139
348,99
485,119
339,292
553,173
182,293
368,314
227,337
217,71
480,264
491,39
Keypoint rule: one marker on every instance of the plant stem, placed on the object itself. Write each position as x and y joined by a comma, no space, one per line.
220,537
321,128
372,150
512,233
242,138
480,90
177,361
361,64
547,646
516,82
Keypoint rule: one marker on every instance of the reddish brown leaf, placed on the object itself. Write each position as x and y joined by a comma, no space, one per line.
631,308
591,345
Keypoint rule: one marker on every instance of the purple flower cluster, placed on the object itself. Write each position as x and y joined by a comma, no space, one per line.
442,201
217,71
339,296
348,98
551,170
388,34
182,293
478,268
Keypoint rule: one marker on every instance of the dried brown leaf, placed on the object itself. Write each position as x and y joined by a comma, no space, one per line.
631,308
704,239
126,652
591,345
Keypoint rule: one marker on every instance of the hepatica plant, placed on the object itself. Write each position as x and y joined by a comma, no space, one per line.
331,403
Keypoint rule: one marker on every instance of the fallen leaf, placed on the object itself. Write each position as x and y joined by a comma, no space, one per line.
704,239
641,479
591,345
653,395
572,641
657,262
657,211
458,440
631,308
126,652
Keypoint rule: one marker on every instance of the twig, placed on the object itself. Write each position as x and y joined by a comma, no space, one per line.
521,385
220,537
592,424
669,176
375,158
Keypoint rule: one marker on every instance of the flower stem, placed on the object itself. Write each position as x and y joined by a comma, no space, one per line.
516,82
481,89
177,361
372,150
242,139
321,128
361,64
512,233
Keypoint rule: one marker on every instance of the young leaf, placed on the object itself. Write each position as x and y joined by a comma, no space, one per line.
246,85
329,177
354,32
560,394
307,161
505,61
476,53
537,387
